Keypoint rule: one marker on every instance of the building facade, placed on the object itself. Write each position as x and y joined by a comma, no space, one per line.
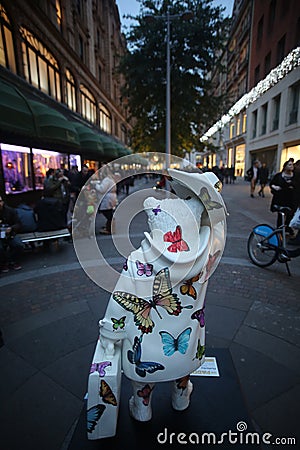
60,99
260,124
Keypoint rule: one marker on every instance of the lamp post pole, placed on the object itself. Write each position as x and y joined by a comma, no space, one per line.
168,17
168,96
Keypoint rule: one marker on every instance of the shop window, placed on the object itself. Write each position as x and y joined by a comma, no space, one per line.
16,168
43,160
70,91
40,67
231,130
7,52
293,103
276,112
88,104
75,160
105,119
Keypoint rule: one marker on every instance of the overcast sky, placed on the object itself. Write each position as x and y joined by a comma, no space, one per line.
132,7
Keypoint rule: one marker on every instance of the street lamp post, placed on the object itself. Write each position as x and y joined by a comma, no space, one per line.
187,15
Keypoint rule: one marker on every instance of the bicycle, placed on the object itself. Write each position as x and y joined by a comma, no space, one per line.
267,244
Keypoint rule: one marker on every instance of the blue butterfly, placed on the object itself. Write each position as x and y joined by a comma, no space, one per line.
141,367
93,415
171,345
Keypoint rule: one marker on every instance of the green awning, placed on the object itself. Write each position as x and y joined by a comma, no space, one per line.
15,114
90,141
110,148
53,126
122,151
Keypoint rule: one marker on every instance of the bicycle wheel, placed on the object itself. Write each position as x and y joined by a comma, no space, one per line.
260,252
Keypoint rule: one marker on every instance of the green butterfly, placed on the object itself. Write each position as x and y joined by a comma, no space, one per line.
208,202
200,351
118,323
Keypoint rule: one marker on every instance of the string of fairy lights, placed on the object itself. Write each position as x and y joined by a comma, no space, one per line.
289,63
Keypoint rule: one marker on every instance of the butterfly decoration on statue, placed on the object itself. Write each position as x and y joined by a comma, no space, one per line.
107,394
207,201
188,289
199,315
200,351
125,265
182,383
93,416
144,393
144,269
100,368
171,344
162,297
156,210
211,263
177,243
118,323
141,367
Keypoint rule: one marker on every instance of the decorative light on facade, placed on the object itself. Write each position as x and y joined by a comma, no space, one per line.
290,62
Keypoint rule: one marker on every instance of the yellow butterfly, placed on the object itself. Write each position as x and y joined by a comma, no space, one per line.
107,394
162,296
208,202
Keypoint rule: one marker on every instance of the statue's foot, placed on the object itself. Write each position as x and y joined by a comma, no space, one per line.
181,399
139,412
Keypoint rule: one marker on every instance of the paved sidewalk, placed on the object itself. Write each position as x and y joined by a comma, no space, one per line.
49,313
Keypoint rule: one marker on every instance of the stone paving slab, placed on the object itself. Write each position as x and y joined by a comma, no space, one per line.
277,349
38,415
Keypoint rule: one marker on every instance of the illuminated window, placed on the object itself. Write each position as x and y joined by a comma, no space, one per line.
16,168
238,126
88,104
105,119
70,91
244,123
40,67
43,160
7,52
58,13
231,131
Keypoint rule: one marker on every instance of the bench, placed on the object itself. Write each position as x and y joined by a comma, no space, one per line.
37,236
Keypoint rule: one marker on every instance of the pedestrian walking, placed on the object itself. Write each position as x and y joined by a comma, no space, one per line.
263,178
107,187
253,176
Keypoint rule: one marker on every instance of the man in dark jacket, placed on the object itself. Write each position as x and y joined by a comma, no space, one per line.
10,244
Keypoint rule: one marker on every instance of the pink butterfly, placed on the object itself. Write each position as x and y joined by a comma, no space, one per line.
144,269
100,368
210,264
145,394
178,244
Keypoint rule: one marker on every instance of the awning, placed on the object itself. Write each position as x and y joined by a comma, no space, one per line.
110,149
15,114
90,142
53,126
122,151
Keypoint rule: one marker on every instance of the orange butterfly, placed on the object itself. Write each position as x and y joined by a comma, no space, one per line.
177,243
188,289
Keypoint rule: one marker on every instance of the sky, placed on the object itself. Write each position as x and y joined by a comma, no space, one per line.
132,7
